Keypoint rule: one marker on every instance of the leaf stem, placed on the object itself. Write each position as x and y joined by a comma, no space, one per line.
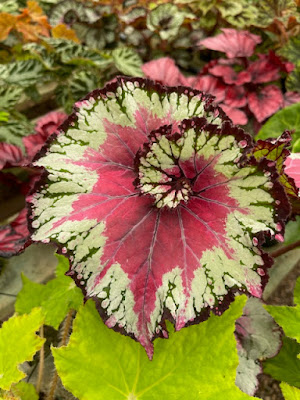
41,363
285,249
64,332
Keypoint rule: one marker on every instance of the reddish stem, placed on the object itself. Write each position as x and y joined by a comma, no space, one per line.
285,249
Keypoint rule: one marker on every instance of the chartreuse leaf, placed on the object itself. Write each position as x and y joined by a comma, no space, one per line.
18,343
288,317
286,365
288,118
201,359
20,391
290,392
55,298
150,191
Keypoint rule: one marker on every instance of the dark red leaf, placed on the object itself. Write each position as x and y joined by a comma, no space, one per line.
10,155
229,75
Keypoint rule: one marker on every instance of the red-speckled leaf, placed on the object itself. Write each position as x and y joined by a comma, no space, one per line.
14,235
232,42
265,102
160,218
275,150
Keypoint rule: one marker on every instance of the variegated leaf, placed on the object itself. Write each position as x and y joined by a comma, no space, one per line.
151,194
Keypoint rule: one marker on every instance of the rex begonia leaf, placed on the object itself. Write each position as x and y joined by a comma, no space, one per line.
275,150
210,85
165,19
127,61
161,216
14,235
237,116
229,75
288,118
18,343
265,102
20,391
258,338
232,42
286,365
9,155
288,317
290,392
292,167
201,359
164,71
55,298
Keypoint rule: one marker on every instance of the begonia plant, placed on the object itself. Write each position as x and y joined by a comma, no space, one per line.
152,194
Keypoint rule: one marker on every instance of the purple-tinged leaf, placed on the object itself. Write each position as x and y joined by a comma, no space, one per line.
161,214
232,42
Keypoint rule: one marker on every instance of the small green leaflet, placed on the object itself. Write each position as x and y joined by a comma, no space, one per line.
9,96
18,343
13,130
289,392
288,317
201,359
55,298
285,366
288,118
20,391
127,61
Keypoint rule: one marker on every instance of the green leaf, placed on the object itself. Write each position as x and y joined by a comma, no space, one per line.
291,51
9,96
55,298
285,366
20,391
275,9
288,118
293,80
165,19
288,317
296,147
13,130
292,230
127,61
4,116
201,359
18,343
289,392
22,73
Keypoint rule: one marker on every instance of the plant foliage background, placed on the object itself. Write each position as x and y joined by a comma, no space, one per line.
52,54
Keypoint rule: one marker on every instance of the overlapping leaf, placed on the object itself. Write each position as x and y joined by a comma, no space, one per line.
55,298
285,366
202,358
130,188
290,392
288,317
18,343
20,391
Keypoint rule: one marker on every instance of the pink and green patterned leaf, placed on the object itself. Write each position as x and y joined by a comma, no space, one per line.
275,150
152,196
